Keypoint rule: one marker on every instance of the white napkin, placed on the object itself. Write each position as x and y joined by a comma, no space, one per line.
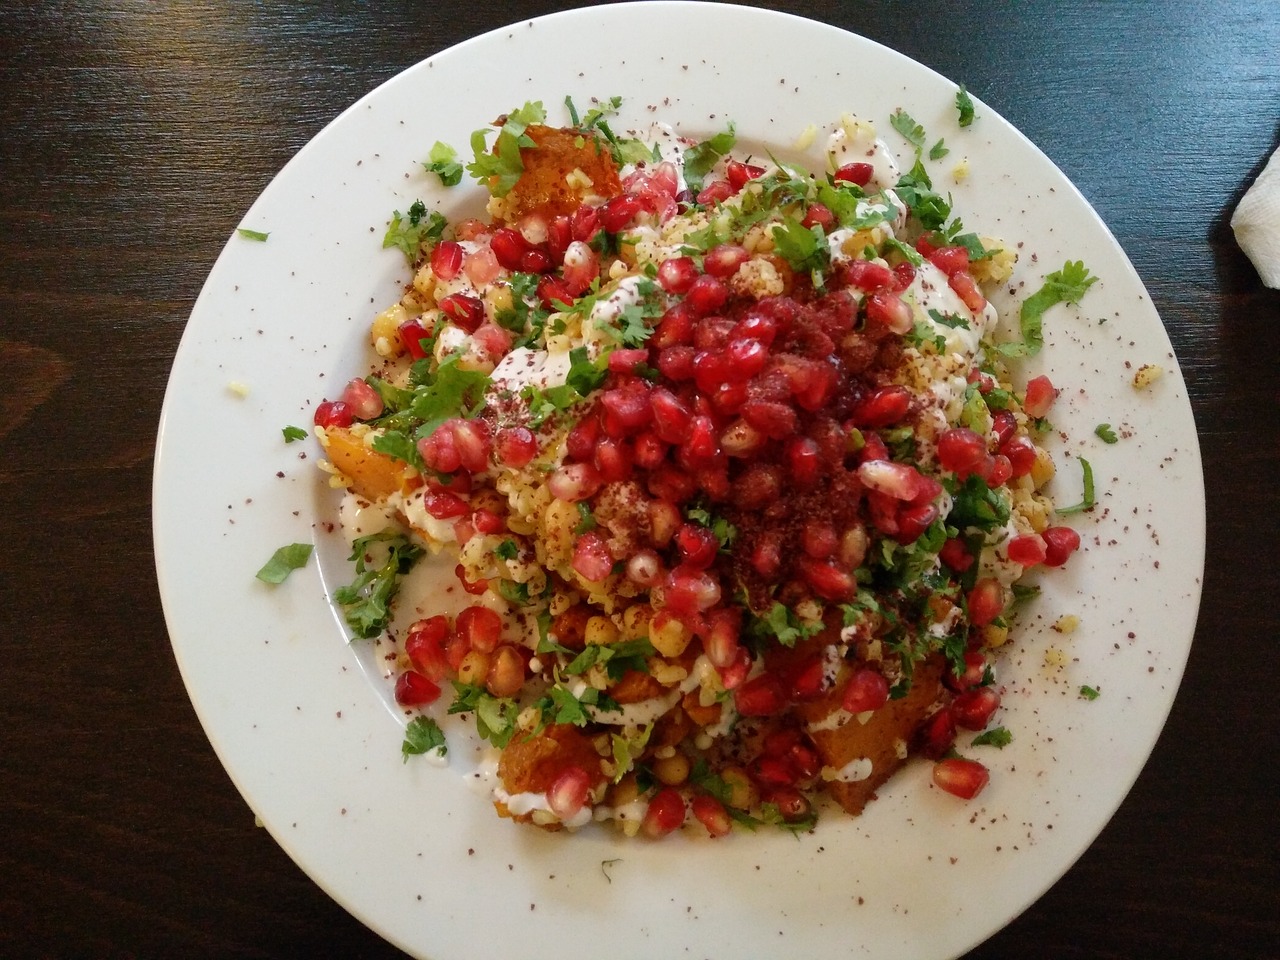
1256,222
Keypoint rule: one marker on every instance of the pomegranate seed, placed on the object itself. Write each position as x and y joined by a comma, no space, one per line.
574,481
960,777
791,804
474,587
1059,543
999,472
807,681
669,482
740,439
424,646
439,450
706,295
466,311
717,191
775,420
644,568
1027,549
759,485
746,357
901,481
567,794
721,644
890,311
625,361
738,173
687,591
766,557
956,555
581,267
516,446
724,260
552,290
415,690
445,506
697,545
1003,426
614,461
986,601
585,223
703,442
873,448
712,814
827,580
559,236
677,274
960,450
665,813
949,259
509,246
712,333
480,627
818,539
1039,397
591,557
446,259
580,442
536,261
858,173
903,276
672,420
1021,453
676,363
648,450
867,690
619,212
760,696
818,215
412,333
974,708
771,771
938,734
675,327
755,326
966,288
868,276
803,460
913,521
463,530
471,438
333,413
481,267
884,407
488,522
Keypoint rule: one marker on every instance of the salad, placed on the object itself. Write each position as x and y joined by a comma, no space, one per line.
726,457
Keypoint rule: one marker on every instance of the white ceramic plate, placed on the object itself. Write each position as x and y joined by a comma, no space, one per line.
302,721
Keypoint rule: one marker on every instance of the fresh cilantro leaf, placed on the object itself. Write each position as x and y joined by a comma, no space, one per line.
938,150
506,550
964,106
1105,433
1089,693
422,735
908,252
513,592
293,433
1087,500
902,121
366,601
408,232
995,737
916,191
1067,285
560,705
974,504
396,444
701,157
284,561
503,166
587,520
626,749
495,716
585,374
453,391
781,623
443,162
248,234
805,248
950,320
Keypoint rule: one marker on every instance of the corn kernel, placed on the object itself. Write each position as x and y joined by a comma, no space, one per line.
670,637
1067,623
1055,659
1043,469
600,631
1147,374
994,635
672,770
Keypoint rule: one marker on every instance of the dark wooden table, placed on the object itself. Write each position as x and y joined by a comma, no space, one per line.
132,137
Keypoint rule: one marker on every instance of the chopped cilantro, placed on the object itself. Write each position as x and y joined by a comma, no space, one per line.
422,735
293,433
587,519
995,737
502,167
585,374
804,248
616,658
248,234
911,131
974,504
939,150
453,391
507,550
1089,693
701,157
964,106
781,623
408,232
1105,433
443,162
495,716
951,320
1087,500
916,190
1067,285
366,601
284,561
626,749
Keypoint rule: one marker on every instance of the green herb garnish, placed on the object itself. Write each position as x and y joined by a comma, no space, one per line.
284,561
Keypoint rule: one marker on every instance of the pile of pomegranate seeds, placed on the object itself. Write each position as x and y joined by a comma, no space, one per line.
735,515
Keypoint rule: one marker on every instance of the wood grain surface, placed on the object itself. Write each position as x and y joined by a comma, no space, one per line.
133,135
